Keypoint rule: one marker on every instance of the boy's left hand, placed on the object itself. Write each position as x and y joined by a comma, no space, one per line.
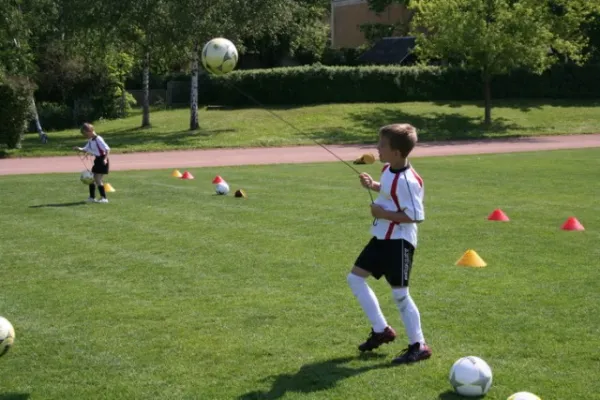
377,211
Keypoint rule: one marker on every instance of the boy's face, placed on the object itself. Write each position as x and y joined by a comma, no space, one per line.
386,153
87,132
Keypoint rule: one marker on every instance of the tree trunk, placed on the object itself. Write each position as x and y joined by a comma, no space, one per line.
123,99
487,94
38,125
194,90
146,88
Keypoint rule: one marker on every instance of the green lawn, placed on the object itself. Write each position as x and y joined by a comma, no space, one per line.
172,292
336,123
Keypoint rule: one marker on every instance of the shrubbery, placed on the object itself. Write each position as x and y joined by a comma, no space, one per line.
15,108
345,84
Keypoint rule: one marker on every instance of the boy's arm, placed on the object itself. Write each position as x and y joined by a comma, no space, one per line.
375,186
410,205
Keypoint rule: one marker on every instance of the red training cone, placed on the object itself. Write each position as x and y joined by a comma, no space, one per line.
217,180
498,215
572,224
187,175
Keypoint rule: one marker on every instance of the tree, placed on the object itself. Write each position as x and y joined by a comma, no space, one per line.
200,20
16,54
300,32
497,36
374,31
143,27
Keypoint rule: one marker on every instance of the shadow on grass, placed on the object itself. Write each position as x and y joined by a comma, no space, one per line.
120,139
14,396
451,395
76,203
315,377
140,136
432,127
524,105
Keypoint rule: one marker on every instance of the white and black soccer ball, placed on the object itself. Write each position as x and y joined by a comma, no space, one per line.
219,56
222,188
7,336
523,396
86,177
471,376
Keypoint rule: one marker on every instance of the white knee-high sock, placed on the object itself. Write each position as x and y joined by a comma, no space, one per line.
409,314
368,301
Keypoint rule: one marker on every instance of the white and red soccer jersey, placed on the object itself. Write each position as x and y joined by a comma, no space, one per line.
97,146
401,190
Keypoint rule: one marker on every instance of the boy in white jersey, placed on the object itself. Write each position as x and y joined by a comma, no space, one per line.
98,147
397,211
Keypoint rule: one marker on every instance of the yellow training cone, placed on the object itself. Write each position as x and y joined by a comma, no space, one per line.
366,158
471,259
108,187
176,173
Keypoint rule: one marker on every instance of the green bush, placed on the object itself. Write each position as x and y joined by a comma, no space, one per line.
345,84
55,116
15,109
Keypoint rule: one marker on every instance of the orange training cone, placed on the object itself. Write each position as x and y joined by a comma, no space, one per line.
498,215
108,187
176,173
187,175
217,179
572,224
471,259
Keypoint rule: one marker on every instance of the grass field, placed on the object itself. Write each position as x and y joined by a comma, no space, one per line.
335,123
172,292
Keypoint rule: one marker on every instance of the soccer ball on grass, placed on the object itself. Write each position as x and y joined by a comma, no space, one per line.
86,177
7,336
523,396
219,56
471,376
222,188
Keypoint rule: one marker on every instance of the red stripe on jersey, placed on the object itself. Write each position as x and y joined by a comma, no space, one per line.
386,166
102,152
390,230
419,179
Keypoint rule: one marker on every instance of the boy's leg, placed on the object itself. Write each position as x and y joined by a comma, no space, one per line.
92,187
98,180
100,183
365,266
409,313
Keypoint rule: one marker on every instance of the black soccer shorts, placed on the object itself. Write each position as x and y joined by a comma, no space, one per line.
391,258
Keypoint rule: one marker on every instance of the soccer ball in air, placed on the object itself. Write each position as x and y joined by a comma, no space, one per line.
86,177
222,188
471,376
7,336
219,56
523,396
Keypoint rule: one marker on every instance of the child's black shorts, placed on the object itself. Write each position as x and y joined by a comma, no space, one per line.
390,258
99,166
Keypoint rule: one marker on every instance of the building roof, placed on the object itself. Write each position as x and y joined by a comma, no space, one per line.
390,50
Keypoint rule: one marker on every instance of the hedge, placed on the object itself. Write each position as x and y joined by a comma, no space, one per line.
15,109
326,84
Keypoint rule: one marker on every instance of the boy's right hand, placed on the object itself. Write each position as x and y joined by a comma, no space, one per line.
366,180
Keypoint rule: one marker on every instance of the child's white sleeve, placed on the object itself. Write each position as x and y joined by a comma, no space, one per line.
102,146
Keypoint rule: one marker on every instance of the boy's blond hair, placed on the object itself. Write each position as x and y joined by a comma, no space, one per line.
402,137
87,127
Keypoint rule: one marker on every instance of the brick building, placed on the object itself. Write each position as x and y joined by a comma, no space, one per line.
348,15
